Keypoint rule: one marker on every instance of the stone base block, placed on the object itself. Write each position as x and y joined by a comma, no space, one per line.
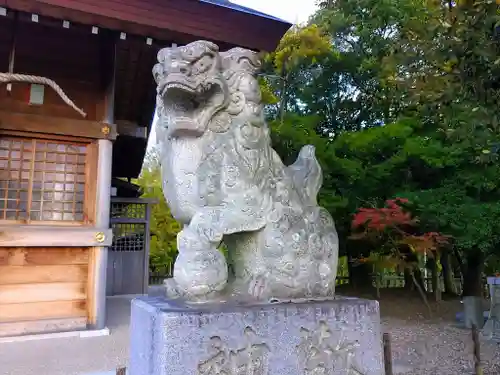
491,329
335,337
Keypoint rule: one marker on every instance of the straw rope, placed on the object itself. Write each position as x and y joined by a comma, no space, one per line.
12,77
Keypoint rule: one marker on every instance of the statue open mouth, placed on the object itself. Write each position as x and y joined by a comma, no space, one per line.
190,105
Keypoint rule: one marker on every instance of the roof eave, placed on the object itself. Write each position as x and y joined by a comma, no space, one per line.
243,9
255,31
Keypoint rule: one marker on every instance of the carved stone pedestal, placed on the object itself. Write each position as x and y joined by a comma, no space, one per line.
335,337
491,328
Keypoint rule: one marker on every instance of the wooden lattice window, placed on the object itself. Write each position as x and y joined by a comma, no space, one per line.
42,180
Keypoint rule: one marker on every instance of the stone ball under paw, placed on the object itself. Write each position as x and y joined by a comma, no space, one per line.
201,273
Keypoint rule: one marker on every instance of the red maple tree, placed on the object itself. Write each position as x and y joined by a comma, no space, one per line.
393,230
395,226
382,218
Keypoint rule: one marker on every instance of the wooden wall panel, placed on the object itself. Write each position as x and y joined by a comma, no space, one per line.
23,293
91,284
43,283
70,57
84,98
67,273
19,256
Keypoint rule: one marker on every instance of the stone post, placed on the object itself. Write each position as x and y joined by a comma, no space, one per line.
492,327
473,312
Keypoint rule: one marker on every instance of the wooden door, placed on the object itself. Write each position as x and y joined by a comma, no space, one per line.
128,256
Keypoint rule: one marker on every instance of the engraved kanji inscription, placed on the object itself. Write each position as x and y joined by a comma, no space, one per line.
323,352
250,359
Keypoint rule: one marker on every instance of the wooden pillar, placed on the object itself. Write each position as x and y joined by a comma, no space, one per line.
103,205
103,202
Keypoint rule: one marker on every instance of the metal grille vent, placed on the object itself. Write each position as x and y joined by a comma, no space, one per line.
128,221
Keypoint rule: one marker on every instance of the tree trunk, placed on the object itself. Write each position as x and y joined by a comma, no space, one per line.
419,278
360,276
448,276
409,285
473,277
460,262
284,95
410,276
436,287
421,291
282,105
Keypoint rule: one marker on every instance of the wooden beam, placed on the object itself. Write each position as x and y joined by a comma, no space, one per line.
30,123
32,236
125,127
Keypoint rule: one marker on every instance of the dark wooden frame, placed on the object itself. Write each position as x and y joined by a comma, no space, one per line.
40,124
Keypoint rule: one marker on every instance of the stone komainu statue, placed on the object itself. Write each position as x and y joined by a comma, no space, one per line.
224,182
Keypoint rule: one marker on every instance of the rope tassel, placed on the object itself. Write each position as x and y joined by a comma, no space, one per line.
12,77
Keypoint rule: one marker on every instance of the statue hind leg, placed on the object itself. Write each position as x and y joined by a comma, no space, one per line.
250,270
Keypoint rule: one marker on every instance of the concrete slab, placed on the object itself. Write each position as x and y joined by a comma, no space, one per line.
57,335
73,355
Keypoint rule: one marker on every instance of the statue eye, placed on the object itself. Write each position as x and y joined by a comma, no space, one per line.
203,64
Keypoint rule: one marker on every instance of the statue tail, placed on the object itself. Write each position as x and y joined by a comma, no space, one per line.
306,175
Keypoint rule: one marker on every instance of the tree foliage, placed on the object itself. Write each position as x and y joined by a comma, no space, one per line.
428,71
299,48
394,229
163,227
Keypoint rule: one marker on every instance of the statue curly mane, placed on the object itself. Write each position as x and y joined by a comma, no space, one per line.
223,180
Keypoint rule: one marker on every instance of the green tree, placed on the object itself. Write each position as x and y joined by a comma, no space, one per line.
299,50
455,90
163,227
354,89
437,63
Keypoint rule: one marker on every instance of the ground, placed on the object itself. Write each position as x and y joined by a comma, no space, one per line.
435,345
421,345
72,356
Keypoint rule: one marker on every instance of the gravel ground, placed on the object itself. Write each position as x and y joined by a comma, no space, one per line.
437,348
421,346
432,345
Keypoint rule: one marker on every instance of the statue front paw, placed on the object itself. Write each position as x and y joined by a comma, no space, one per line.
200,269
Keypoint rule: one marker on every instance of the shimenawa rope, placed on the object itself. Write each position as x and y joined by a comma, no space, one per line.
13,77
